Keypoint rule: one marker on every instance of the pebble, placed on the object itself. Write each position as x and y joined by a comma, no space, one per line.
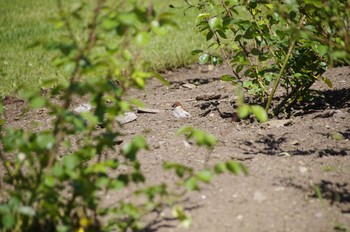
303,170
126,117
259,197
189,86
239,217
86,107
279,189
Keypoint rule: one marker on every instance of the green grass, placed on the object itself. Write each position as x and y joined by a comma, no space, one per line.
24,22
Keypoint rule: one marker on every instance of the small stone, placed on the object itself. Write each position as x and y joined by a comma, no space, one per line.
187,145
210,67
303,170
319,215
189,86
126,118
259,197
239,217
295,142
86,107
203,197
279,189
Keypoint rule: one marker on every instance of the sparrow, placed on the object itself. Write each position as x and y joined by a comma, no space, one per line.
179,111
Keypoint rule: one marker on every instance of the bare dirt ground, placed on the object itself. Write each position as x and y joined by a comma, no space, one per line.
286,158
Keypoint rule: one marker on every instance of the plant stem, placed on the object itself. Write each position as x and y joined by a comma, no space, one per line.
277,81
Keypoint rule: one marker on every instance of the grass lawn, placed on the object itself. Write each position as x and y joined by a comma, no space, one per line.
24,22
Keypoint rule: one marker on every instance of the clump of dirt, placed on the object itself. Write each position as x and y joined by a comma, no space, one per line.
287,159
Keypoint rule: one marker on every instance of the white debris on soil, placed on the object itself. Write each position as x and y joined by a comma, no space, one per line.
147,110
278,123
126,117
85,107
259,197
189,86
303,170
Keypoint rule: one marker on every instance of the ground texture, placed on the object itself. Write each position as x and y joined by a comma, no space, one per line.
286,158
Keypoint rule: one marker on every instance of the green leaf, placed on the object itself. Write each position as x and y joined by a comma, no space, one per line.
37,102
45,141
234,167
205,176
255,52
327,82
142,38
1,109
204,58
202,16
8,220
128,19
50,181
215,22
70,162
260,113
243,111
220,168
210,35
197,51
161,78
191,184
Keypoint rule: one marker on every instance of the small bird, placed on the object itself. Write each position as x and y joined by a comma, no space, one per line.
179,111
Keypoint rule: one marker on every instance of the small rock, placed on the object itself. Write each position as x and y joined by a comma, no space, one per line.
279,189
319,215
295,142
86,107
203,197
259,197
189,86
239,217
187,145
303,170
126,117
